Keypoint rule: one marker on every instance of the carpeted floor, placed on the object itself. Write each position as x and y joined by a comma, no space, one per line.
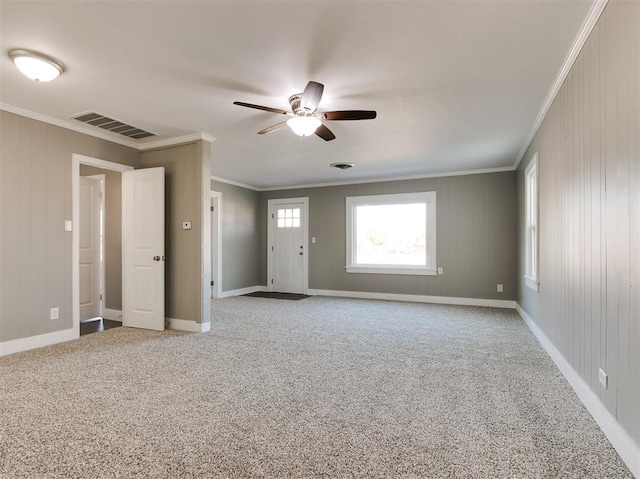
321,388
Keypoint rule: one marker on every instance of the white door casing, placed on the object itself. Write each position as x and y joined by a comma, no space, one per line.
287,255
76,161
90,264
143,248
216,246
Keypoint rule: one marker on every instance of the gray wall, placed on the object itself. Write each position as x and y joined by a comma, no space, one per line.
476,237
112,234
183,175
240,236
589,167
35,200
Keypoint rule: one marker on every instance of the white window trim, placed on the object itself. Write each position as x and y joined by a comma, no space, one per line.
354,201
532,276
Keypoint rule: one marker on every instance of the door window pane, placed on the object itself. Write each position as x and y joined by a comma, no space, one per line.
288,218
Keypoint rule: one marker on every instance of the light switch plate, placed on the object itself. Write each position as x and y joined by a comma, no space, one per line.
68,225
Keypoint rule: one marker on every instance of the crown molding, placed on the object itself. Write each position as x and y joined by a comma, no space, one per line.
366,180
103,135
583,34
391,178
234,183
178,140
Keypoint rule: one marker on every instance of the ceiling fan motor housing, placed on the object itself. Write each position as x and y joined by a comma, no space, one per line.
296,108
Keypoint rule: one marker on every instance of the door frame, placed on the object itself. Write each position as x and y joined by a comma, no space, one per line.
102,285
76,161
216,253
305,239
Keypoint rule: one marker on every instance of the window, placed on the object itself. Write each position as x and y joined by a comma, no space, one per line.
392,234
531,204
289,218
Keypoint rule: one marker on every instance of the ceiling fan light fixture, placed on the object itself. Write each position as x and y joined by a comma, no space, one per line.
37,66
304,125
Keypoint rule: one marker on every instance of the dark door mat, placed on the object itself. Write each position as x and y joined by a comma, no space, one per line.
273,295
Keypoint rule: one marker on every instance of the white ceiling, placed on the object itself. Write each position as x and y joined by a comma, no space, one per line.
457,84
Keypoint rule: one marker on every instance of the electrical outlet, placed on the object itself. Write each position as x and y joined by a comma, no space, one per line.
54,313
500,288
604,379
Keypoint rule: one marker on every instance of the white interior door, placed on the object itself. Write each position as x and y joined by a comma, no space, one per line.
143,248
89,248
288,249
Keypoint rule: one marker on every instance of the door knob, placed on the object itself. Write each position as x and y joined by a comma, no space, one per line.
156,258
300,253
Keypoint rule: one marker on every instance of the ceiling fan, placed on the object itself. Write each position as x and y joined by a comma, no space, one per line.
305,120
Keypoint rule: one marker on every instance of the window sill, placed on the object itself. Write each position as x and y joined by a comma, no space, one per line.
531,283
391,270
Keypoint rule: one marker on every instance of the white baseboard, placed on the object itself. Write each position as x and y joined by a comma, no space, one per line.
241,291
190,326
624,444
24,344
416,298
112,314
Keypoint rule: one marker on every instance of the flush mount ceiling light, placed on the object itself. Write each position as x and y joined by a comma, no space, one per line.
304,125
37,66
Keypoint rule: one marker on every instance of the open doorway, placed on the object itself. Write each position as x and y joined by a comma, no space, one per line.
97,301
92,270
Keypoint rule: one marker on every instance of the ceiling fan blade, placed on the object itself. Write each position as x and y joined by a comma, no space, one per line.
350,115
260,107
272,128
311,96
325,133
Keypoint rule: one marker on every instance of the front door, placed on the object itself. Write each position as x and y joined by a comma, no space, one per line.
143,248
288,249
89,250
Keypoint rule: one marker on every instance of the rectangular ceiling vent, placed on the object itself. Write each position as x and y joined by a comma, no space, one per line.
109,124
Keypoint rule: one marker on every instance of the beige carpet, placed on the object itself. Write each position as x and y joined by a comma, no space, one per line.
330,388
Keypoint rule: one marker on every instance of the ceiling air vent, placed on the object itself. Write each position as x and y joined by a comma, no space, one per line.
342,166
109,124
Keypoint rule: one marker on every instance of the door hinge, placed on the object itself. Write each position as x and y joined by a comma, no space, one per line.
271,248
101,297
213,208
272,216
212,283
271,280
